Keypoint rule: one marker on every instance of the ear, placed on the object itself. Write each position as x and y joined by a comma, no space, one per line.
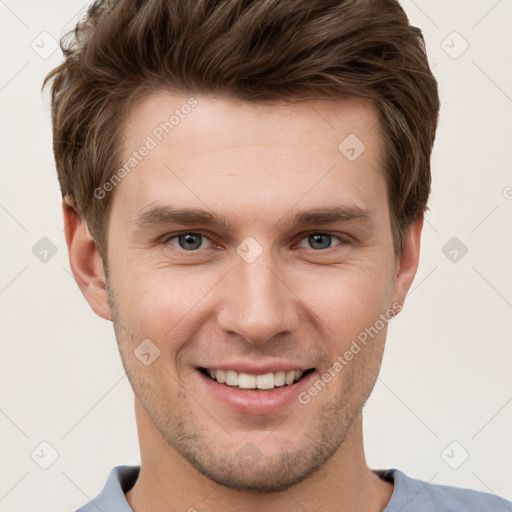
407,262
85,261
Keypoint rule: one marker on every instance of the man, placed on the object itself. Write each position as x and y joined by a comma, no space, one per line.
244,185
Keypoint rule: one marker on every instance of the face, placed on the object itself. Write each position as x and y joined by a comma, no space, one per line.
246,242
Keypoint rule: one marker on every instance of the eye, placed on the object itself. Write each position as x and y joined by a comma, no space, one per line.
321,241
187,241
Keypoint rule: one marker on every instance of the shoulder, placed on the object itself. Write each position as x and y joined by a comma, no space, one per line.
411,494
111,498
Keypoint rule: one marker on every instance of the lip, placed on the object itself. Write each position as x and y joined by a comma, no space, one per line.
256,402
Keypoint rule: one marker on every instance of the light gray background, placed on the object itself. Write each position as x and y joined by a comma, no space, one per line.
446,374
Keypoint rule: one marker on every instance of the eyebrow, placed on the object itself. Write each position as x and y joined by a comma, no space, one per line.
163,215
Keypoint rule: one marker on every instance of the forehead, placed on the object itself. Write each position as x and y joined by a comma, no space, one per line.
229,122
204,150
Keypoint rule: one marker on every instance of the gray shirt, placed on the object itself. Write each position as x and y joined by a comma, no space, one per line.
409,495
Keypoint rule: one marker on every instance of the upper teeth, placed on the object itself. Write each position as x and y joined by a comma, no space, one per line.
248,381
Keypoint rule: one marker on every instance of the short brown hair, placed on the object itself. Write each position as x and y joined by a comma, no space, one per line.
253,50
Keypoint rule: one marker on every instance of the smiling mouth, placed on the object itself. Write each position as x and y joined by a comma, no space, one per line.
266,381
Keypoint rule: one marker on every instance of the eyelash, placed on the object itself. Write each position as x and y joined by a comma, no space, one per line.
343,240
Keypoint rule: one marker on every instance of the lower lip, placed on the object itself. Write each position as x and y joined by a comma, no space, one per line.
256,402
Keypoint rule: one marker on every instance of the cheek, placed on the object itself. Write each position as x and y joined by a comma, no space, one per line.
161,303
346,301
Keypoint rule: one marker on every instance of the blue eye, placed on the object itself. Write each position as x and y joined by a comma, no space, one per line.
320,240
187,241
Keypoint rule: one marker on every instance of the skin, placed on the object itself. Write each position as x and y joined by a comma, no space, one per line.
253,165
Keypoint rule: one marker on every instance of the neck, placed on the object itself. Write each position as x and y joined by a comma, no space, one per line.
167,482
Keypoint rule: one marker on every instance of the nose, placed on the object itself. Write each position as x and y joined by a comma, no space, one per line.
258,304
